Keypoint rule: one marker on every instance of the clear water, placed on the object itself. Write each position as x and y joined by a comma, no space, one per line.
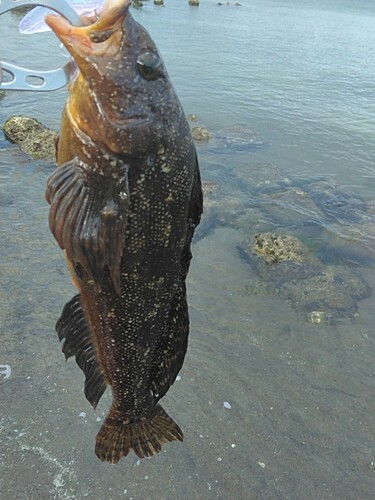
301,395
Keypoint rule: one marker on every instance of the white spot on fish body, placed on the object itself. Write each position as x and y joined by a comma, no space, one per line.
123,195
166,168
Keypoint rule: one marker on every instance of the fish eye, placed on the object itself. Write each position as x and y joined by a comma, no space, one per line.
149,65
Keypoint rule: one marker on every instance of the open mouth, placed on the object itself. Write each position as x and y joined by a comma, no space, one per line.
95,31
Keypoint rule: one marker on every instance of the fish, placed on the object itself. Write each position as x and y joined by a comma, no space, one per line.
125,199
33,21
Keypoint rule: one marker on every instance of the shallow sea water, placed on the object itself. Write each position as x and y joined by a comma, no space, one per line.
272,405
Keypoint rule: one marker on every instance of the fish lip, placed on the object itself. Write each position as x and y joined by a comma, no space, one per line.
108,20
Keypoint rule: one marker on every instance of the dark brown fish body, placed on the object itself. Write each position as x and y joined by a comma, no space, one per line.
125,200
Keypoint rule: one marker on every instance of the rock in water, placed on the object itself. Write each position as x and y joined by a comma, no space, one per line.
125,200
34,138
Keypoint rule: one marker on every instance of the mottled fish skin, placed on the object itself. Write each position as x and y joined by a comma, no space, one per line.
125,200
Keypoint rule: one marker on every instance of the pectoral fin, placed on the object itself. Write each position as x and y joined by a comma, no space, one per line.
88,217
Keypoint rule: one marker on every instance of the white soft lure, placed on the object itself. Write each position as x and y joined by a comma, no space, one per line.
33,22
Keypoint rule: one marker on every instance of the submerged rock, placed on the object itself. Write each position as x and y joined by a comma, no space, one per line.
201,134
34,138
226,140
261,177
209,188
278,247
159,2
306,239
334,291
237,138
192,117
292,271
194,3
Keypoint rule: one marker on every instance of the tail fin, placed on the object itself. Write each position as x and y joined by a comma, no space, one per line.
116,439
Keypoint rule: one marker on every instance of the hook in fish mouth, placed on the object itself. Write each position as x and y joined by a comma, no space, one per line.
96,29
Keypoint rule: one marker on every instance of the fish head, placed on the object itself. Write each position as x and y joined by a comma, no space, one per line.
122,84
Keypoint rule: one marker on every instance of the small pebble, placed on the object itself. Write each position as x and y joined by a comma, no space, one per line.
227,405
178,378
262,464
5,371
82,414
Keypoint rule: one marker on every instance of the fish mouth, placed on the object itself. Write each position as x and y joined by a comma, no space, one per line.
98,33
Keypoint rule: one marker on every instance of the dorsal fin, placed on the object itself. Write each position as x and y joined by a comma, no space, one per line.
73,330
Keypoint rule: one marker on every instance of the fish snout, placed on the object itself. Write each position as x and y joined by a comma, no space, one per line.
95,34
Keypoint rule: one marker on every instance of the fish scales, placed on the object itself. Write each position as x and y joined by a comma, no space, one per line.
125,200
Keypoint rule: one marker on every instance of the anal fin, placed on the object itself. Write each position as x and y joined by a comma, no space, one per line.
73,330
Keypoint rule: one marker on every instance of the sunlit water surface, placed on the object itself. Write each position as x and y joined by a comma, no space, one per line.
272,404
